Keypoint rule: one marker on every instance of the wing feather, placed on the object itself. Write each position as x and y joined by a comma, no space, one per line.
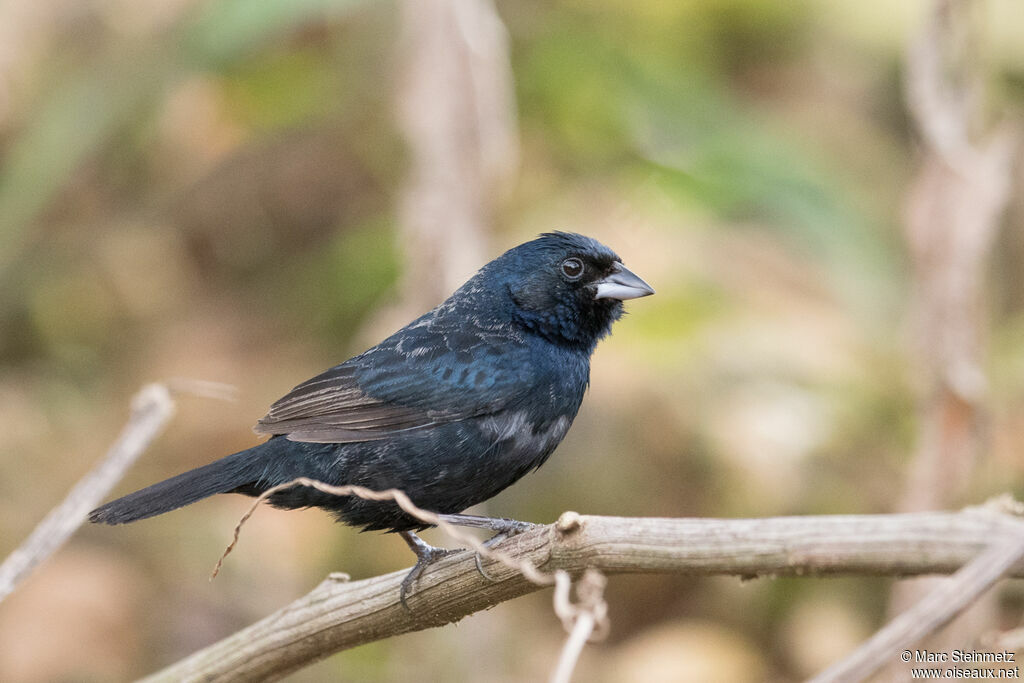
425,375
332,408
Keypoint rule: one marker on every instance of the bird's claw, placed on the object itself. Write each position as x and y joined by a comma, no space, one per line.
499,525
480,568
424,558
510,528
507,528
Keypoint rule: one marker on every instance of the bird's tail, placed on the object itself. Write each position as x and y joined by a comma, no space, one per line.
240,470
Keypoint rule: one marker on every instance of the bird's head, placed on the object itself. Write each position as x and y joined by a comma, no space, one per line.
566,287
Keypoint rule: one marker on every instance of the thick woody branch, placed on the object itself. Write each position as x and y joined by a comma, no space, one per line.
339,615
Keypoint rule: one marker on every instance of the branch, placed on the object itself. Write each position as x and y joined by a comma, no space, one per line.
587,623
152,408
952,220
455,102
337,615
947,600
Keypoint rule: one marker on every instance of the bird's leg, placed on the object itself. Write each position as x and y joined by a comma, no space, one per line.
503,528
425,554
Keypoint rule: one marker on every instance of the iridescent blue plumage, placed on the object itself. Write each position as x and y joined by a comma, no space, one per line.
452,408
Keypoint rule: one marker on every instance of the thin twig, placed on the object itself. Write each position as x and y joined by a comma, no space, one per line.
403,501
579,620
573,648
952,219
585,621
152,408
934,611
1003,640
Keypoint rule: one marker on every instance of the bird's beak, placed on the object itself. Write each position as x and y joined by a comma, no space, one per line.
622,284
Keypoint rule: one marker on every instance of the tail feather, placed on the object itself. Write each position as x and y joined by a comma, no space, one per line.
241,469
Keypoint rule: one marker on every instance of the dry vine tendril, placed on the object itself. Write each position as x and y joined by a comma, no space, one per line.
586,620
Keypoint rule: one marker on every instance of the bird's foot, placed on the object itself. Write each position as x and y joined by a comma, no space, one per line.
499,525
503,528
425,555
495,540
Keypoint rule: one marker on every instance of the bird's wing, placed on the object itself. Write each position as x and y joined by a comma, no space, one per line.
333,408
417,379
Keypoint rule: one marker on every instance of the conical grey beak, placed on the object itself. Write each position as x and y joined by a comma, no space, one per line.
622,284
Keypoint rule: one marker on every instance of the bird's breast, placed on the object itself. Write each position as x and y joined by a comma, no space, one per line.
516,431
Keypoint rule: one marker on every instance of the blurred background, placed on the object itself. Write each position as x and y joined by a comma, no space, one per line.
250,191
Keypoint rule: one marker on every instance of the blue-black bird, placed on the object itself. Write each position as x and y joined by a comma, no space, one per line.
451,409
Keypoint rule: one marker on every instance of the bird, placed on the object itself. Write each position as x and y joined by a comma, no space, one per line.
451,409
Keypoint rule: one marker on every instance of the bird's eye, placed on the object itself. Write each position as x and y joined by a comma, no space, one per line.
572,268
